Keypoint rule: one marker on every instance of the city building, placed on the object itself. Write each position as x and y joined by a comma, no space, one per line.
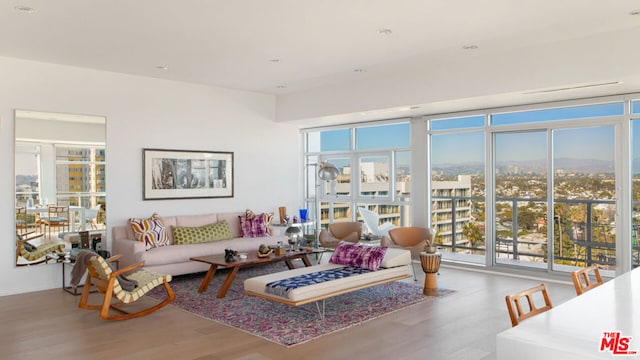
451,209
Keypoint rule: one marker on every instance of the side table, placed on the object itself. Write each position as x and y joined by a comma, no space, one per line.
430,266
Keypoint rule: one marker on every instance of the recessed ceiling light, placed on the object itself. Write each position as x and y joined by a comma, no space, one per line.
360,70
634,12
385,32
275,61
281,87
25,9
470,47
162,67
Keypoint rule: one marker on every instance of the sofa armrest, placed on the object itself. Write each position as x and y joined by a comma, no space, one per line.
131,251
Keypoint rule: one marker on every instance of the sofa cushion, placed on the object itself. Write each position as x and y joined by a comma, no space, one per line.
198,234
151,231
232,221
396,257
196,220
368,257
168,222
176,254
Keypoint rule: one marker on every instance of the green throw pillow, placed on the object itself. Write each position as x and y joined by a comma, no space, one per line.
183,235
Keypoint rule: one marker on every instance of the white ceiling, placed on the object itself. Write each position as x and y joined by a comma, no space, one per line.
231,43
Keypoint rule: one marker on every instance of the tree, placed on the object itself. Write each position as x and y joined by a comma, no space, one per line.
473,233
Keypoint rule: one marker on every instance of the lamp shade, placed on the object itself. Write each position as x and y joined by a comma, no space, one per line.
328,171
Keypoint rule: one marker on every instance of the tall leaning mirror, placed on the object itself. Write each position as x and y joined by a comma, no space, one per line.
60,185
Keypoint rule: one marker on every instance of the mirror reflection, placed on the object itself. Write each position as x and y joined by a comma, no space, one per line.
59,185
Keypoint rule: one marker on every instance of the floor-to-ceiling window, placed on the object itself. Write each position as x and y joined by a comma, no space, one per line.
80,175
458,186
27,173
521,201
551,184
542,187
374,161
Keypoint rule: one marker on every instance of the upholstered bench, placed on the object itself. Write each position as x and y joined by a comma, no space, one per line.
394,266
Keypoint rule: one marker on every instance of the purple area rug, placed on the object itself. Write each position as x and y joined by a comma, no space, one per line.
283,324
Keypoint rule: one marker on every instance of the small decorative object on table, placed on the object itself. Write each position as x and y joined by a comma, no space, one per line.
295,236
282,211
264,251
229,255
303,215
281,250
84,239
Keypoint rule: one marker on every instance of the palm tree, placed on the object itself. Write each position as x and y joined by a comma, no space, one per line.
472,232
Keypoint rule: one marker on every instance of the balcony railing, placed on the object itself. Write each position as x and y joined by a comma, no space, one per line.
577,243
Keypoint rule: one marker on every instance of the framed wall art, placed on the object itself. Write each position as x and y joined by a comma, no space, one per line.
184,174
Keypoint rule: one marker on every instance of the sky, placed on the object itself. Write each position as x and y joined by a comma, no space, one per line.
584,143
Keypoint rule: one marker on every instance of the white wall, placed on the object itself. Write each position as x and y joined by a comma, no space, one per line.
147,113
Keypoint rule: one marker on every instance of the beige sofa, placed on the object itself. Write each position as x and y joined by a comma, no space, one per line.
174,259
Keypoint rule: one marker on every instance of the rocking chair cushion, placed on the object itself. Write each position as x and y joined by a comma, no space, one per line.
38,252
146,279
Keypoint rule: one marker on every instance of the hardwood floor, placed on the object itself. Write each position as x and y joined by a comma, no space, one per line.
460,326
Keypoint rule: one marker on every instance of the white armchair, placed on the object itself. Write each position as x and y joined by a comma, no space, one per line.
371,220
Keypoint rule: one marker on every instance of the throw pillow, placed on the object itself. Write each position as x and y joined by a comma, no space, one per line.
183,235
268,218
252,226
364,256
151,231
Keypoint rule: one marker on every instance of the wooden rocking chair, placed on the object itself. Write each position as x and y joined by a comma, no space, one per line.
106,281
32,254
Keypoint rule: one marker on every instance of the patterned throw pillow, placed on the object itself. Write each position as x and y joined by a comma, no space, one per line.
183,235
268,218
151,231
252,226
364,256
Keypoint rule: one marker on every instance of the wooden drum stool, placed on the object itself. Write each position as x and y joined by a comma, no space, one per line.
430,266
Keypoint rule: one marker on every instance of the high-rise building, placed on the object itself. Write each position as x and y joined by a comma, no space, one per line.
450,214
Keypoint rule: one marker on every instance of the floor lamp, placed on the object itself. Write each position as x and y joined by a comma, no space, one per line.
326,172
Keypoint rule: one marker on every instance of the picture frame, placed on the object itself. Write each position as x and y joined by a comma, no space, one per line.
186,174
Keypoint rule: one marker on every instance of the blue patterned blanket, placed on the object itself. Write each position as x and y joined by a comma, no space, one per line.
283,287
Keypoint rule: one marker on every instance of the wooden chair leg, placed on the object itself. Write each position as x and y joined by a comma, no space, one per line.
170,297
84,300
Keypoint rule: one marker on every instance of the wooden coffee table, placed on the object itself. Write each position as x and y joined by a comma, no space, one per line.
252,260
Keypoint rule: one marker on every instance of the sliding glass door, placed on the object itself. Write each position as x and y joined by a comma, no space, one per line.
584,209
583,195
521,178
